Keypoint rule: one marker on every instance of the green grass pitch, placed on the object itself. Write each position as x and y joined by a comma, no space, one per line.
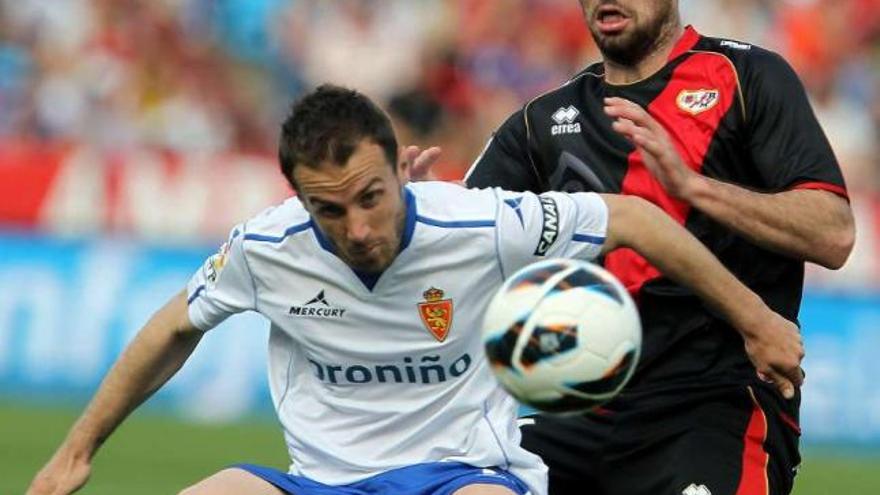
153,454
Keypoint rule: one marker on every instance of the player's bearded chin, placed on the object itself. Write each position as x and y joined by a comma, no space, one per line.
376,255
630,47
368,257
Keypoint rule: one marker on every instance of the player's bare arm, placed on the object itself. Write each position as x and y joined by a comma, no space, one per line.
154,356
773,343
812,225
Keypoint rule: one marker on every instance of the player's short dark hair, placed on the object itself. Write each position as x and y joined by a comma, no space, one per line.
327,124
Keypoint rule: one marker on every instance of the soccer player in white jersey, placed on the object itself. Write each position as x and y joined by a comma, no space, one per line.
375,291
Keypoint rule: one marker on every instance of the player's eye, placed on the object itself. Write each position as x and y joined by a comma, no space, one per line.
330,211
371,198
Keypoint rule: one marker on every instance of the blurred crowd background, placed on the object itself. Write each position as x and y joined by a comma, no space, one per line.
213,78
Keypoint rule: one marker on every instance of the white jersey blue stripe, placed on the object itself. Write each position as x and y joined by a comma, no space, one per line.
361,383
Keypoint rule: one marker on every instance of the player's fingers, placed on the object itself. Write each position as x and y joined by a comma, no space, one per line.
638,135
409,154
646,141
428,157
786,388
620,108
424,162
795,375
623,126
782,383
623,108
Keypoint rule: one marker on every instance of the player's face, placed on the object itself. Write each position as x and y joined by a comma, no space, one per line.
358,206
628,30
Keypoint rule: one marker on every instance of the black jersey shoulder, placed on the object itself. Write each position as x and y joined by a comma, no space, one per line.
761,72
573,92
745,56
785,140
512,157
530,137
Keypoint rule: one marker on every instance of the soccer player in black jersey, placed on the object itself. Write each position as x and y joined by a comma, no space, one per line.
719,134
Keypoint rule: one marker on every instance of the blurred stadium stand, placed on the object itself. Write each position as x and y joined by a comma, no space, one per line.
134,134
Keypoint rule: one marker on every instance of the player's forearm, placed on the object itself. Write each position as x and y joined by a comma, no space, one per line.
681,257
811,225
154,356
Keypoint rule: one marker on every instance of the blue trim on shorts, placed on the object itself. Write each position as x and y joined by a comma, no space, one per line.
434,478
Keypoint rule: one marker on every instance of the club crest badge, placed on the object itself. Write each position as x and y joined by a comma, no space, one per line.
436,313
697,101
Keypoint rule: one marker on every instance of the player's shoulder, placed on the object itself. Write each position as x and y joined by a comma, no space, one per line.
570,95
445,202
276,223
748,58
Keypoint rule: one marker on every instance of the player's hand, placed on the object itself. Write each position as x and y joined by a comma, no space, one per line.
420,162
776,349
62,475
655,146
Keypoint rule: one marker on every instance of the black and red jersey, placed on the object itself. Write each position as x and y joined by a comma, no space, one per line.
737,113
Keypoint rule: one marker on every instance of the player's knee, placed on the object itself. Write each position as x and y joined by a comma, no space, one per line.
232,481
190,490
215,484
200,488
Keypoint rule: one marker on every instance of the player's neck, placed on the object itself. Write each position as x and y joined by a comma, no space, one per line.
616,73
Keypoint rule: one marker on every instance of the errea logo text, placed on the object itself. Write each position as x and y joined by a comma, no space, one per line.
565,121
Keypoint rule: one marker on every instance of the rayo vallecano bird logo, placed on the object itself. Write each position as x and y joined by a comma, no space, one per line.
436,313
697,101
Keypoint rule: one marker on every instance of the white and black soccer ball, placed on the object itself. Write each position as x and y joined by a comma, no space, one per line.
562,335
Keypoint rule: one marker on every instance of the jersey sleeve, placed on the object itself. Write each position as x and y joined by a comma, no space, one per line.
223,286
505,161
785,140
532,227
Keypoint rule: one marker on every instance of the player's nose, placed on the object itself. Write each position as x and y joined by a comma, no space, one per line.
357,227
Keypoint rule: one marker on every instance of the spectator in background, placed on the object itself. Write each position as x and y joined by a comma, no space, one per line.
205,75
16,65
360,42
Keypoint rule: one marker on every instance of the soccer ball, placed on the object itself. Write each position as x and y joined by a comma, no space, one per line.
562,335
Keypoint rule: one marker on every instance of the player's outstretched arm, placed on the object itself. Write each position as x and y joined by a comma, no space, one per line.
155,355
773,343
810,225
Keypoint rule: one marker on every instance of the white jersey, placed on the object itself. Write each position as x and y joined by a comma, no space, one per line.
372,374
